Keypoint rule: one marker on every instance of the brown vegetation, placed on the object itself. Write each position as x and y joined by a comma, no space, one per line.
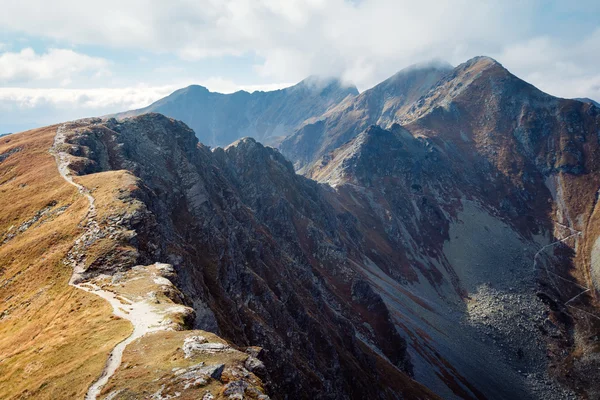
54,338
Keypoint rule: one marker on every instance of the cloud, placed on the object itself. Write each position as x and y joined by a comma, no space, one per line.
99,98
27,108
362,40
567,69
56,65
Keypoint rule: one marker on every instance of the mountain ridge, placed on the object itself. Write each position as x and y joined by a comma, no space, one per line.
378,105
588,100
219,119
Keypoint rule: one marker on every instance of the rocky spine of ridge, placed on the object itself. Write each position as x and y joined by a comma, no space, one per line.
261,256
588,100
219,119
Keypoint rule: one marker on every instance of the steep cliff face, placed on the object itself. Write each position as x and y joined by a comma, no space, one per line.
261,255
219,119
381,105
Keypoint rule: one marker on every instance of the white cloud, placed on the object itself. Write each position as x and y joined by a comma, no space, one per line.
26,108
363,41
56,65
559,68
100,98
295,38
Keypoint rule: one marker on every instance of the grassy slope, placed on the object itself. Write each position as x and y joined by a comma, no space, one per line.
159,354
54,339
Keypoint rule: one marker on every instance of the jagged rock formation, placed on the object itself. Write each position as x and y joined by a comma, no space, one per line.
219,119
381,105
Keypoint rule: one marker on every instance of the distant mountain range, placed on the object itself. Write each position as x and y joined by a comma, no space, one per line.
219,119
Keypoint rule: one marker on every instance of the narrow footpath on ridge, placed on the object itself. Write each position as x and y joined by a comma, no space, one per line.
143,316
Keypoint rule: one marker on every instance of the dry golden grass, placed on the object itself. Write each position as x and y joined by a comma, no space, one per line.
112,191
157,355
54,339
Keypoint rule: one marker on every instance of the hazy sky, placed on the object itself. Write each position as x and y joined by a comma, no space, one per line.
65,59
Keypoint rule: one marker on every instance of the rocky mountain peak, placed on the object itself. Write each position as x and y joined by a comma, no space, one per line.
482,61
196,89
416,71
243,142
478,68
481,77
375,130
382,105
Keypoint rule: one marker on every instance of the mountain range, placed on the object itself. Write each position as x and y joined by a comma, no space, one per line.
434,237
219,119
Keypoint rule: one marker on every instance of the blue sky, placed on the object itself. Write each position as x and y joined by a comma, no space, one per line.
68,59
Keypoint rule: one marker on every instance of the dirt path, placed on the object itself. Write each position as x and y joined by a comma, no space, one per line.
144,319
143,316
